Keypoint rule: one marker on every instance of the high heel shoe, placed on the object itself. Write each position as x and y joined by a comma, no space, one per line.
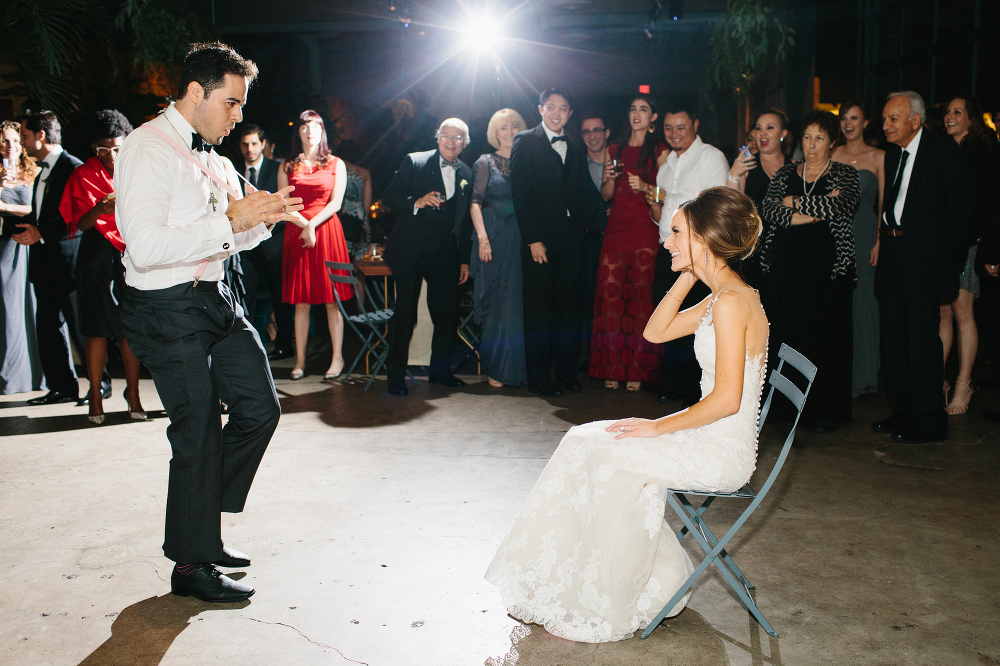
134,414
947,389
297,374
494,383
633,387
96,419
335,373
960,400
611,384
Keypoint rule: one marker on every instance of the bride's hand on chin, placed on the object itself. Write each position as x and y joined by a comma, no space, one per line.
633,427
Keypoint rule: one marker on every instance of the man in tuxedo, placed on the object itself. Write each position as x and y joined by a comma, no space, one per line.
547,173
52,261
432,241
262,173
926,214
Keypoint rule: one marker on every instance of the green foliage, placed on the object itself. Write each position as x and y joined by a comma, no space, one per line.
45,40
160,31
748,40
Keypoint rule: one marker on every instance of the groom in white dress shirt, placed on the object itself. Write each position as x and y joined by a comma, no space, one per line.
179,225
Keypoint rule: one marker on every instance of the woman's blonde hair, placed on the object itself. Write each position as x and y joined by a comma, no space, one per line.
26,167
726,221
510,115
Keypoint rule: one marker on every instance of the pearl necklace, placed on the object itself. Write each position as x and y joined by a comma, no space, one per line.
808,190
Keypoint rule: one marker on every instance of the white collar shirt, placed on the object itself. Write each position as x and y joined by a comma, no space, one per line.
683,176
559,146
43,177
253,165
448,176
171,215
904,183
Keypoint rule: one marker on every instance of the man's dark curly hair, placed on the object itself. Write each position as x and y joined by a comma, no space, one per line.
109,124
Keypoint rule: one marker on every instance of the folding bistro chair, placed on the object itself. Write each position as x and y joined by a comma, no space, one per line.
694,523
374,342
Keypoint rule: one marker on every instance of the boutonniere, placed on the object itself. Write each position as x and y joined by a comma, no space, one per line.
462,185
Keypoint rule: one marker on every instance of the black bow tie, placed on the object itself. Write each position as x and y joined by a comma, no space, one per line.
559,138
446,163
43,165
198,143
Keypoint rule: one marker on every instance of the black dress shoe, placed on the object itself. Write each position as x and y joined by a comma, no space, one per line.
54,398
232,558
547,390
208,584
398,389
105,390
570,384
919,435
279,353
451,381
891,424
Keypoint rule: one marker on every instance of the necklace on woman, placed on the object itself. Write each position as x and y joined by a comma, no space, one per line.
808,190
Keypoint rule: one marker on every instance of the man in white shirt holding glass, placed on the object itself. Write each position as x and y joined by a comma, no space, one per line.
180,214
691,167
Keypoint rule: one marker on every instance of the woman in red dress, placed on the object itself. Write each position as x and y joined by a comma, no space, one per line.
624,298
320,180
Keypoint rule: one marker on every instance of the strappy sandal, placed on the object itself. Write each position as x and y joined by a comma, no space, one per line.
947,389
611,384
494,383
633,387
960,400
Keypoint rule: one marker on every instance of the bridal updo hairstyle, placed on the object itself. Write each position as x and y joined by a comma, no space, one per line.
726,221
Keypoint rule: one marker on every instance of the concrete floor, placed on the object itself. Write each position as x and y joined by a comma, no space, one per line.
373,518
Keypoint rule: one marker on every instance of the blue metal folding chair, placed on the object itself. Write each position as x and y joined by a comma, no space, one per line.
374,342
692,517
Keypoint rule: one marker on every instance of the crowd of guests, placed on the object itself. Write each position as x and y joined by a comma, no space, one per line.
865,251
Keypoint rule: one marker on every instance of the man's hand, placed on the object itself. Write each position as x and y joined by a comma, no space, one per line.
538,253
463,273
431,199
992,269
29,236
262,207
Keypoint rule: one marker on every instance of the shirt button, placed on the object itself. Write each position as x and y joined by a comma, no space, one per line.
225,246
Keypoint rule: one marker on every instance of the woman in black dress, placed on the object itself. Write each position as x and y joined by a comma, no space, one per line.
807,259
88,204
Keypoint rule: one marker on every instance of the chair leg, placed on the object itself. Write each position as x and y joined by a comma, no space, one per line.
710,536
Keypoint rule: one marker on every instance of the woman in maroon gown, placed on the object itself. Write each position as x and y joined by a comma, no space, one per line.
320,180
624,298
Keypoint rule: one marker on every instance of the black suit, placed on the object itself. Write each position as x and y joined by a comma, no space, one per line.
52,270
916,270
428,244
265,259
545,188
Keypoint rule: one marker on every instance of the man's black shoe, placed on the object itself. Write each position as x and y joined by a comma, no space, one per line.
279,353
398,389
232,559
890,425
547,390
919,435
570,384
53,398
207,583
105,390
451,381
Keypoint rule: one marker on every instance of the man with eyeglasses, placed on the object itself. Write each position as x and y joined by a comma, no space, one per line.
432,241
594,128
52,264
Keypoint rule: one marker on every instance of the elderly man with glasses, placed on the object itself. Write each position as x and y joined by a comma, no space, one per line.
431,241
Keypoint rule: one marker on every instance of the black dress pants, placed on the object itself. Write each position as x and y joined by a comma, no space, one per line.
439,266
199,348
553,314
53,319
265,259
911,345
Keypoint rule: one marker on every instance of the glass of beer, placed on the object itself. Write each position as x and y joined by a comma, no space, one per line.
658,194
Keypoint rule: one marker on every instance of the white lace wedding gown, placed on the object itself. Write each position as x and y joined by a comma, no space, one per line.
590,557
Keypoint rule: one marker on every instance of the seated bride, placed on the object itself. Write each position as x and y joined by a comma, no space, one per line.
589,556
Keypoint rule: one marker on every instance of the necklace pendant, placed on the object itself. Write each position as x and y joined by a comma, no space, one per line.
212,200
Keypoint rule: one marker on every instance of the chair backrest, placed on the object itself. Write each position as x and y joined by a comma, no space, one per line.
787,388
332,266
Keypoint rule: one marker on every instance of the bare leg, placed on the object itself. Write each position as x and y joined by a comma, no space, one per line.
301,336
946,329
968,345
97,352
131,376
336,323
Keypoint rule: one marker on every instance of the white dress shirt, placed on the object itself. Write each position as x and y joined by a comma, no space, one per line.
559,146
904,183
682,177
43,177
255,165
448,176
164,212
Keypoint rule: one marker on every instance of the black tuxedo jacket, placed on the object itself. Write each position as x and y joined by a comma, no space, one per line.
267,179
419,174
544,188
47,267
937,213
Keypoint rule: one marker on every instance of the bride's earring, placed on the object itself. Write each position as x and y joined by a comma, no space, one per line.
706,258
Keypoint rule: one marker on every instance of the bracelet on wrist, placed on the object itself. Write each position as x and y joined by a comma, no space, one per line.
674,297
732,179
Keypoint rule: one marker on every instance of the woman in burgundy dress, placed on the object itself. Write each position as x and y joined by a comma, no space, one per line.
624,299
320,180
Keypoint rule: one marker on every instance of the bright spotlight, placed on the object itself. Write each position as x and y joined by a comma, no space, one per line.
482,32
